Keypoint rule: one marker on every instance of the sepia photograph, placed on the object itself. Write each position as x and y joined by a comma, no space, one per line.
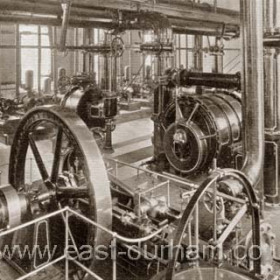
140,139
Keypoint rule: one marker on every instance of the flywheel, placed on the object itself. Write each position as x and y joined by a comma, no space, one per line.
55,156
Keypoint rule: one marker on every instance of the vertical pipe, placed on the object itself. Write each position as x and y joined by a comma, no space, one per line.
76,53
18,62
39,59
130,55
66,6
219,61
114,66
198,55
269,90
143,56
269,16
84,53
214,212
253,97
277,17
278,88
196,225
114,257
187,52
99,61
66,244
1,71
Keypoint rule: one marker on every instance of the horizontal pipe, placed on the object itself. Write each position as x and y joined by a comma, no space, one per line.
216,80
193,12
38,20
271,43
49,9
197,12
179,25
203,28
202,6
86,23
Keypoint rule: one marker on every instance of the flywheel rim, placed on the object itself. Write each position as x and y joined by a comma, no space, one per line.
97,183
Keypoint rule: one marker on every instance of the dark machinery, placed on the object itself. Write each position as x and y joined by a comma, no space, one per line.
193,130
95,107
72,173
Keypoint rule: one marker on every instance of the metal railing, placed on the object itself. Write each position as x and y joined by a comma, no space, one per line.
187,190
188,186
69,236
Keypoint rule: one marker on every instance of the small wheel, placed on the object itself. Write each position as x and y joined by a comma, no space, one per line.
69,171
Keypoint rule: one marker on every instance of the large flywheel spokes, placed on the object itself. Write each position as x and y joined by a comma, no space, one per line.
55,156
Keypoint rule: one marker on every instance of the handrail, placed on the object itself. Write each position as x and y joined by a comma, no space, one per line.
218,174
171,178
47,216
67,258
116,235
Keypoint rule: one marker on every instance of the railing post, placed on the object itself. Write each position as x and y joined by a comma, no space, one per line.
196,231
66,244
114,256
30,174
190,227
215,212
168,193
116,169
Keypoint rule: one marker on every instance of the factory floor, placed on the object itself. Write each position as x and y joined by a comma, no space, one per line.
132,144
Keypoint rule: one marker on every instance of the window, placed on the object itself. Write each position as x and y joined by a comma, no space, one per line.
35,53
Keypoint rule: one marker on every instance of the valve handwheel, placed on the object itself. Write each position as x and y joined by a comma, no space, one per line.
117,47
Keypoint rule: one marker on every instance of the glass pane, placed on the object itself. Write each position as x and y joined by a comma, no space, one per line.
28,28
45,40
44,30
29,40
80,36
95,35
183,41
